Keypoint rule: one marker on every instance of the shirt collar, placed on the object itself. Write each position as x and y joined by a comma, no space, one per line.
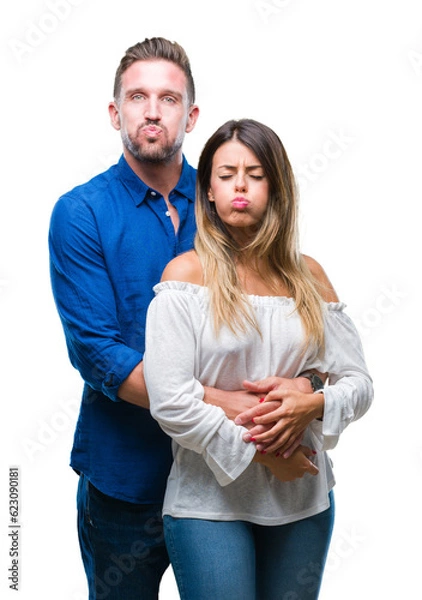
139,190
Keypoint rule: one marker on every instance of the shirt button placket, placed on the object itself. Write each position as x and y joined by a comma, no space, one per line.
154,195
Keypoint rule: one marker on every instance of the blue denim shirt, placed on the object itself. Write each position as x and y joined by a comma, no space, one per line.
109,241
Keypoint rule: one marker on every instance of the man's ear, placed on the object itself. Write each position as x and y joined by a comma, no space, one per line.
113,111
192,118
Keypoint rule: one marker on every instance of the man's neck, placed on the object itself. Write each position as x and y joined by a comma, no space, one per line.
162,177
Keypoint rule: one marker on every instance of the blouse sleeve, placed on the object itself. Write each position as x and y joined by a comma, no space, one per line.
175,393
350,391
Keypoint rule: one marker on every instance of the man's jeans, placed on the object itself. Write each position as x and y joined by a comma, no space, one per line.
122,546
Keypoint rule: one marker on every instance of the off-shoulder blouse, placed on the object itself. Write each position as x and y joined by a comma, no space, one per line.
213,476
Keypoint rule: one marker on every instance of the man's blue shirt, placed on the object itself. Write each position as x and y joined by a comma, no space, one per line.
110,240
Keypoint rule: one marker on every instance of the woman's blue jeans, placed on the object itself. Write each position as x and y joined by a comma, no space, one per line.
238,560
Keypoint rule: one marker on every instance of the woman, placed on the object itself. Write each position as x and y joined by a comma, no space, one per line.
239,523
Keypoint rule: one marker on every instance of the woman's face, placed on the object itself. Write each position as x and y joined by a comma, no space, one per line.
239,188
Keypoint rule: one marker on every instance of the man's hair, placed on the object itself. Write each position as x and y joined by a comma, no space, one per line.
156,48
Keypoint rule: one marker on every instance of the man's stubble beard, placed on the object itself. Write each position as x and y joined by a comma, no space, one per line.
153,152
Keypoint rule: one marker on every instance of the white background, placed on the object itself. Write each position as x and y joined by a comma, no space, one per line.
341,83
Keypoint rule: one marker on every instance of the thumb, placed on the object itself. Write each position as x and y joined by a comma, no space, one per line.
312,468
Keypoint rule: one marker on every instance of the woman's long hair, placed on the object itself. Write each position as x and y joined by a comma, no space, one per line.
275,245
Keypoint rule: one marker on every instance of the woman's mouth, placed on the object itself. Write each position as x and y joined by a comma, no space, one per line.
240,203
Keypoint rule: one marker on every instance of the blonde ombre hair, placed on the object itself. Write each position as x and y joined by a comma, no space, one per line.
275,245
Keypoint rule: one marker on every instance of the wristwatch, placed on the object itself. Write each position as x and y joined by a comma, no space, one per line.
316,382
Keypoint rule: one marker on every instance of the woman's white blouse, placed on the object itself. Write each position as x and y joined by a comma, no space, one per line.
213,476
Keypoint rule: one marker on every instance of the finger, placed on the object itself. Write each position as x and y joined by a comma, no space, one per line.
286,446
251,386
245,417
262,385
278,444
276,447
253,413
308,452
250,436
274,432
278,394
269,413
312,469
287,453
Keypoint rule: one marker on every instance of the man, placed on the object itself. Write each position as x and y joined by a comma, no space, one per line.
110,240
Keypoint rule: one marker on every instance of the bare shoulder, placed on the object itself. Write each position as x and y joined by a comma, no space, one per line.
185,267
326,288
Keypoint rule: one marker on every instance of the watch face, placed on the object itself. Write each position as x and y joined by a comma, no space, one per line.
316,382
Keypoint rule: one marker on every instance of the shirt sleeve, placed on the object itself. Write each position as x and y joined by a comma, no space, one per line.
350,391
85,298
176,394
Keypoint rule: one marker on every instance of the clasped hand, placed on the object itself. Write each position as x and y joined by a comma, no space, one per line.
289,469
277,424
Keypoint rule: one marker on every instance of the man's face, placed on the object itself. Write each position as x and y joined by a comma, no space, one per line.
153,112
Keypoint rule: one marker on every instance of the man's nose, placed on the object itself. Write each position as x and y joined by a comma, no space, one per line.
152,110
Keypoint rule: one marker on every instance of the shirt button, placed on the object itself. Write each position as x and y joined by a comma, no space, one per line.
167,213
153,193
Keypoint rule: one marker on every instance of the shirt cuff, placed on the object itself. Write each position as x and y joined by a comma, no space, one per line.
128,360
228,467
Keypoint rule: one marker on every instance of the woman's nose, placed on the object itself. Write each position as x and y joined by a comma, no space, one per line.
240,182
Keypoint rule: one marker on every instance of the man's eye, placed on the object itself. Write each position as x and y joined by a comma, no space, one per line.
169,100
137,97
